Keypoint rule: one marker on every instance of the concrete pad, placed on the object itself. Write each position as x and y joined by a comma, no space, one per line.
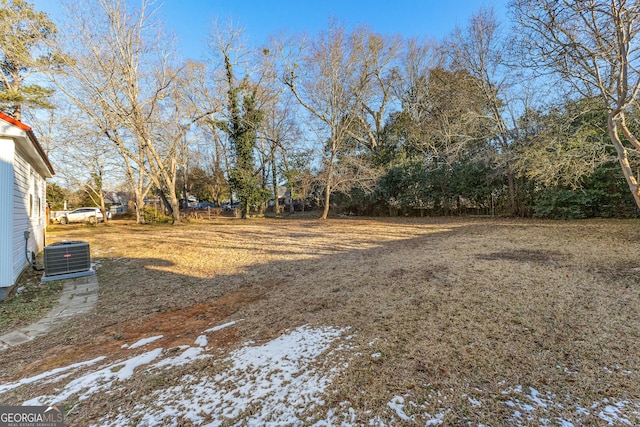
37,329
15,338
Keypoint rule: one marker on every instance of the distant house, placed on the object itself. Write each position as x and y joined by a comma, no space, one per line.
24,166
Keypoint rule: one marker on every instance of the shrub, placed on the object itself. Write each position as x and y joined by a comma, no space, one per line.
152,215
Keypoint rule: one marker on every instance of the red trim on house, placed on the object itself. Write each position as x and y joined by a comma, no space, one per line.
8,118
32,137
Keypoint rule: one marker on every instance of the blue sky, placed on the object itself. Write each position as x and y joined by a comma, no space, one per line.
191,19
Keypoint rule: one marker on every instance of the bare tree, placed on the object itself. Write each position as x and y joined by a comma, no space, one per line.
593,45
206,96
480,50
377,60
86,161
175,117
418,60
280,133
321,75
120,75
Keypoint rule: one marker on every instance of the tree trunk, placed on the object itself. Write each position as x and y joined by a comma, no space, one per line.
327,198
623,159
103,209
139,207
274,182
327,188
512,191
165,202
244,209
175,207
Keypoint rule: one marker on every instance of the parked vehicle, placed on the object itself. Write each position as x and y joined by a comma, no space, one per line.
90,215
231,206
205,205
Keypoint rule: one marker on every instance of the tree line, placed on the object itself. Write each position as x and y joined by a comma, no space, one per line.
536,116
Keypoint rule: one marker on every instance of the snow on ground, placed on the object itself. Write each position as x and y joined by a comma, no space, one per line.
49,376
143,342
530,408
530,405
275,383
103,379
202,341
217,328
283,382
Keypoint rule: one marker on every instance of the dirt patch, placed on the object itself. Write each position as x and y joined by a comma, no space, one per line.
178,327
525,255
182,326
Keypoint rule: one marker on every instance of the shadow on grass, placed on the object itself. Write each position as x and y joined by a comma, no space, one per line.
426,297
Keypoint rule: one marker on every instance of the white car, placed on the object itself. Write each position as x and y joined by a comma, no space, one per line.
90,215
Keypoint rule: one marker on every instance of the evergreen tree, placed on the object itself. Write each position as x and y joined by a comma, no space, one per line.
242,126
24,33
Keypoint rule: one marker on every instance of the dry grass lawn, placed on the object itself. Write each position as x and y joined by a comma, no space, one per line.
458,309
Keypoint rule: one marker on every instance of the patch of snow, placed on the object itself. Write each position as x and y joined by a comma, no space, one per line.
201,341
189,355
612,414
376,355
534,396
275,383
144,341
581,411
397,404
54,373
475,402
542,407
217,328
436,420
93,382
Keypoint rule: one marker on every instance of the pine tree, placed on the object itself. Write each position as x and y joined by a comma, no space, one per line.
24,34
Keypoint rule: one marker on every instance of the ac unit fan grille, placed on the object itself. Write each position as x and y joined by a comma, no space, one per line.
66,257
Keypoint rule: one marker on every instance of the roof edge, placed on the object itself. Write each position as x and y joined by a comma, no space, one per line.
15,122
32,137
40,150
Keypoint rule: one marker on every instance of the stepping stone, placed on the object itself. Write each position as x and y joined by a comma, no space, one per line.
15,338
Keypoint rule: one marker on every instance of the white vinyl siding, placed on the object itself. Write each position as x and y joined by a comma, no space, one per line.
39,220
21,220
23,170
7,148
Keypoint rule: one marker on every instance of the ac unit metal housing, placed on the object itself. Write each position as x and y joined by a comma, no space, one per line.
66,259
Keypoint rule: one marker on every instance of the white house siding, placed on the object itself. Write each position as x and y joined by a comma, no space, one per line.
41,222
22,188
7,148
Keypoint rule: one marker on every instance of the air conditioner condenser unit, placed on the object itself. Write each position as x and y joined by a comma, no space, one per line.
66,259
